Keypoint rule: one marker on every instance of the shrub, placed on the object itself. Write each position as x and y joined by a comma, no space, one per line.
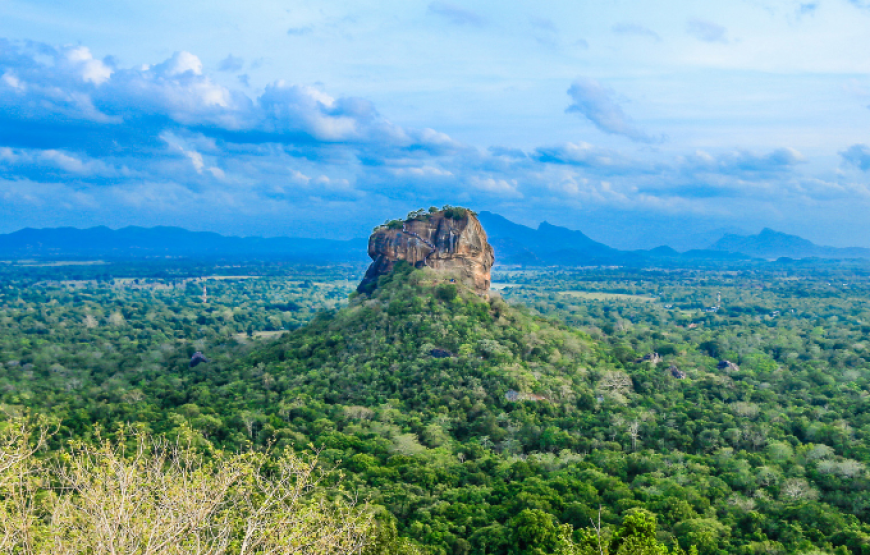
446,292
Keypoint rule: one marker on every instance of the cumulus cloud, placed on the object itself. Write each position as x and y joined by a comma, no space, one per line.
55,101
858,156
598,104
80,135
706,31
68,118
456,14
179,64
502,187
90,69
636,30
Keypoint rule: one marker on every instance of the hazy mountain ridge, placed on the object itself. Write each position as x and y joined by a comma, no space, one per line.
514,244
169,241
774,244
554,245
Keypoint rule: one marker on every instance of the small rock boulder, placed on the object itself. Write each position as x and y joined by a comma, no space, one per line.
728,366
197,358
652,358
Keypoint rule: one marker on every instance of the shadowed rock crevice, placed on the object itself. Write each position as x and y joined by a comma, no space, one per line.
449,240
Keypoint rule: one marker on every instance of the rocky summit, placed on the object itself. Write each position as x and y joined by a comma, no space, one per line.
450,240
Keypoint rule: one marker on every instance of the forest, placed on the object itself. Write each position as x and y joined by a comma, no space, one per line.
591,410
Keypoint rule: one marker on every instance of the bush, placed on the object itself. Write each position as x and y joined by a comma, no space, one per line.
446,292
455,212
395,224
152,496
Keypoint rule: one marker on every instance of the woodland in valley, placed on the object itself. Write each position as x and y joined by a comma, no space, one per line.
717,409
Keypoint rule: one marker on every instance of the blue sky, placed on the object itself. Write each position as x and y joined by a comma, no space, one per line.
639,123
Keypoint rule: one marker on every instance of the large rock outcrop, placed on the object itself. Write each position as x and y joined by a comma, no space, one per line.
447,240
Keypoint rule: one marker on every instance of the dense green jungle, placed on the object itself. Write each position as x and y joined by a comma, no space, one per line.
722,409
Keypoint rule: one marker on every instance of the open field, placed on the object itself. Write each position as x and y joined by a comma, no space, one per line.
500,286
594,296
243,337
55,263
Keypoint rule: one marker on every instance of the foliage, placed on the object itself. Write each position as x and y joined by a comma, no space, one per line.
150,496
766,457
455,212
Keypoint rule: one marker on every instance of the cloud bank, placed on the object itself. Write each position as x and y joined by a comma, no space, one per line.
85,140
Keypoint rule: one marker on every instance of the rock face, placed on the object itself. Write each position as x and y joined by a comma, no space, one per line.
450,241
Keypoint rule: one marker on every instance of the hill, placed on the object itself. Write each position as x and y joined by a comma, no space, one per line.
774,244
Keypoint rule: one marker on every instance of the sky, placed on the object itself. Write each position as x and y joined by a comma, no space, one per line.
640,123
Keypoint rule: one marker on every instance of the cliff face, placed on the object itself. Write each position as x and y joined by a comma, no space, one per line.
435,240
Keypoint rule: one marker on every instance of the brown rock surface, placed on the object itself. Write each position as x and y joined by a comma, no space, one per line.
439,240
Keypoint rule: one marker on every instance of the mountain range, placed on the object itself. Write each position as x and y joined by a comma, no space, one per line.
553,245
514,244
170,241
774,244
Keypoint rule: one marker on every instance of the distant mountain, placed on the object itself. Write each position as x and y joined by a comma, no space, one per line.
774,244
694,239
553,245
548,245
170,241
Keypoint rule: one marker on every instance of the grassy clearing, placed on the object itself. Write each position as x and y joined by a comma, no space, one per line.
500,286
243,337
37,263
607,296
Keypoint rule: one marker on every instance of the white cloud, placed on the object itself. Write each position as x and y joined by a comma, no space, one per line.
598,104
180,63
171,126
422,171
195,159
90,69
506,187
11,80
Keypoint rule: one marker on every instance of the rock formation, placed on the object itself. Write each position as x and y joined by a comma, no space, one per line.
450,240
728,365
